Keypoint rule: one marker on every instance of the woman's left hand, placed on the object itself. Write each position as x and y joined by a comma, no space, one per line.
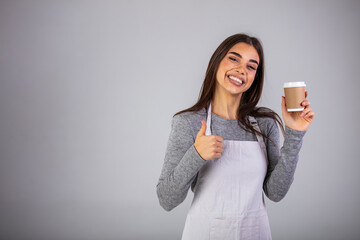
298,120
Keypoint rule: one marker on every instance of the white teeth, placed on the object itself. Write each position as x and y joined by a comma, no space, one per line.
235,79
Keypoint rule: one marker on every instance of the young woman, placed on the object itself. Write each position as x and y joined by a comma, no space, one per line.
227,149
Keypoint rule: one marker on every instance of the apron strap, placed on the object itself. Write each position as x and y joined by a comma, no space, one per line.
260,139
208,121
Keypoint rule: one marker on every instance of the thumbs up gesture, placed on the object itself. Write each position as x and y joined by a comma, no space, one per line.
208,147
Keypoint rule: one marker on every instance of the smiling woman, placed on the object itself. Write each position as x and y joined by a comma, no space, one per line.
227,149
234,62
236,73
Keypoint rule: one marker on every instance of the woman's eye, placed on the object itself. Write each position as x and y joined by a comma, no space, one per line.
251,67
233,59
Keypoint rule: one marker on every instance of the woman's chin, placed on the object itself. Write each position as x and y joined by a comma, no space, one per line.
234,92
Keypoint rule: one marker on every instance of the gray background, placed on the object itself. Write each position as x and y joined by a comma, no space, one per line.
88,90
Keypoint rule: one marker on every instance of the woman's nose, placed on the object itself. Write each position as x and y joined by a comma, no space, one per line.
241,70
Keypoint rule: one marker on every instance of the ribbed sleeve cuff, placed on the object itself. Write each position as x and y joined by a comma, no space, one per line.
291,148
191,163
294,134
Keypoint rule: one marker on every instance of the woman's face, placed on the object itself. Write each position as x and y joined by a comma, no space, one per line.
237,69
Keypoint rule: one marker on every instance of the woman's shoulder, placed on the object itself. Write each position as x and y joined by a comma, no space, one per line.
190,115
266,123
190,118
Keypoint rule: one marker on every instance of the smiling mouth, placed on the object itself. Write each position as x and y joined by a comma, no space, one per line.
235,80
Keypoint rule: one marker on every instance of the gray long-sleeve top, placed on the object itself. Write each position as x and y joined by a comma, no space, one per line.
182,161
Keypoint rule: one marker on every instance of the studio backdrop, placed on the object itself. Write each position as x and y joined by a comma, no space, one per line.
88,90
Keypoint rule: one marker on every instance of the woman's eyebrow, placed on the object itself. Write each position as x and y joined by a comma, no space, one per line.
251,60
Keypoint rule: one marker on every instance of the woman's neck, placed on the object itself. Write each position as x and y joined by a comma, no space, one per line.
225,105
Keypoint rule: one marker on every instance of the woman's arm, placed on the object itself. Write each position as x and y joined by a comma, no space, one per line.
282,162
181,164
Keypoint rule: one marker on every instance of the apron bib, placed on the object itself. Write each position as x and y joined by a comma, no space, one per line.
228,199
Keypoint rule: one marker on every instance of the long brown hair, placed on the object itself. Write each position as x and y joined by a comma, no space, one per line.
250,98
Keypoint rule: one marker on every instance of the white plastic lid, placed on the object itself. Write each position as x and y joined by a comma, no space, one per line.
294,84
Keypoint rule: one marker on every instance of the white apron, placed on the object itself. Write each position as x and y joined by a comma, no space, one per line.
228,199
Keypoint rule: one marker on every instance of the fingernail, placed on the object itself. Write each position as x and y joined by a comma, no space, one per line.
301,115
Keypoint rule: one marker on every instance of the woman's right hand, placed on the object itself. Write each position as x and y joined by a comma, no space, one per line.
208,147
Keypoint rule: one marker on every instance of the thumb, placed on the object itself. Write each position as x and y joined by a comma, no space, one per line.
202,129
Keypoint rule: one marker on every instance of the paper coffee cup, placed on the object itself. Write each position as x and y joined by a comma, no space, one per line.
294,95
